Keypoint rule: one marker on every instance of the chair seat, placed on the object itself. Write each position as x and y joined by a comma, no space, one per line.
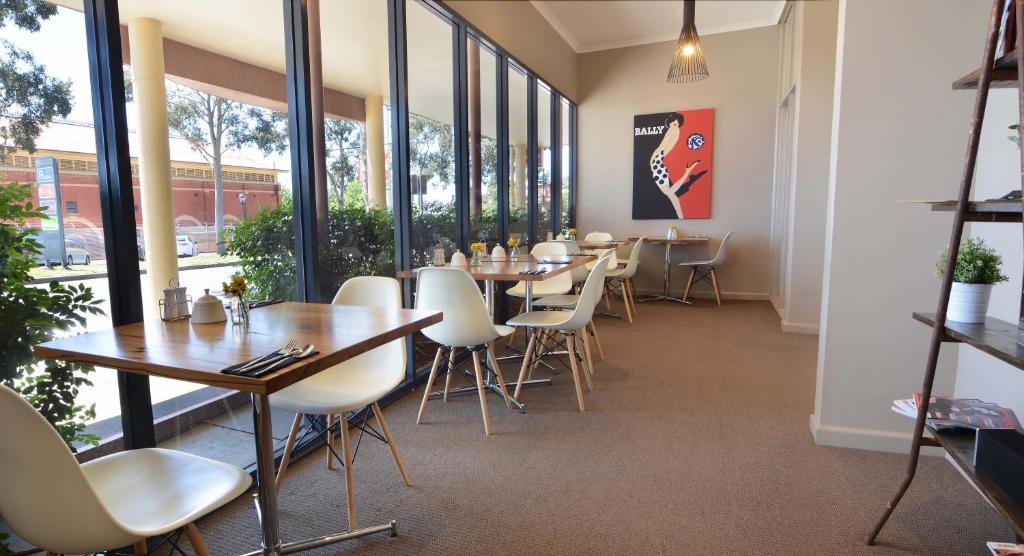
349,386
565,300
153,491
696,263
540,319
540,289
504,330
616,273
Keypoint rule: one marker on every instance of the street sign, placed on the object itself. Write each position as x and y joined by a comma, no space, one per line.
52,235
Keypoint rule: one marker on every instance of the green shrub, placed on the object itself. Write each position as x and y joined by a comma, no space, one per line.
976,263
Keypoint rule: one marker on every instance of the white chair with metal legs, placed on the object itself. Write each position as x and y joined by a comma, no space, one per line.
559,284
118,500
355,385
570,324
466,324
620,280
706,270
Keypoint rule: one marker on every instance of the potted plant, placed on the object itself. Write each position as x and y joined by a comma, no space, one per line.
977,269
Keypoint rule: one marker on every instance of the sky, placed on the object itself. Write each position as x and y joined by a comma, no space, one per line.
60,46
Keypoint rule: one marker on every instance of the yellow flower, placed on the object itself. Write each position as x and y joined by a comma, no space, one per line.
572,231
478,246
236,287
513,242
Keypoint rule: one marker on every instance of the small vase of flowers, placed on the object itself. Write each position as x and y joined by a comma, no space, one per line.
570,234
477,249
977,269
236,288
513,248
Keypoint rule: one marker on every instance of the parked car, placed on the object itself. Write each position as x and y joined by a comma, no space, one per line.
186,247
142,251
77,256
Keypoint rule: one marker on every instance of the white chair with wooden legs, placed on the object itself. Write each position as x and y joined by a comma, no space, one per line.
555,285
570,324
598,236
620,280
61,507
355,385
706,271
466,324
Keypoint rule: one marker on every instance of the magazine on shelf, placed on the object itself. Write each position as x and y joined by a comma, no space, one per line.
945,413
1005,548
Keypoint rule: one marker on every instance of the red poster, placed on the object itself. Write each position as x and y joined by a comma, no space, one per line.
672,157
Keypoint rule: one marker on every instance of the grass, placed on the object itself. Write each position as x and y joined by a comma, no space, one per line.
100,267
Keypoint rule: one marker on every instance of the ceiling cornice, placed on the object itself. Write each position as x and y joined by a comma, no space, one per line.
560,28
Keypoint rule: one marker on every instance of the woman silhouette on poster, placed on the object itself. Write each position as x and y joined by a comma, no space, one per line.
672,189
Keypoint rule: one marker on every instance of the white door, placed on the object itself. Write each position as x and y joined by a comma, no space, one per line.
782,194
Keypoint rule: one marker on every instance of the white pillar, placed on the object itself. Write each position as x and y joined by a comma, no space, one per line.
145,40
375,151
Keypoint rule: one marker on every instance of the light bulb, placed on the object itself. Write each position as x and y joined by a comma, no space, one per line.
688,50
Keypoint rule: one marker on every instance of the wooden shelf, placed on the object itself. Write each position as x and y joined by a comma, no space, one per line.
996,210
995,337
1004,74
959,443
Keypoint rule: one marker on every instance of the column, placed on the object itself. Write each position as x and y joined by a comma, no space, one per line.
316,102
145,40
375,150
476,199
519,191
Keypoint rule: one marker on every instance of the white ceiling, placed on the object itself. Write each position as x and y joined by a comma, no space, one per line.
589,25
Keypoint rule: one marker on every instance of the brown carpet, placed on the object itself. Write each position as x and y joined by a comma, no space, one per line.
695,441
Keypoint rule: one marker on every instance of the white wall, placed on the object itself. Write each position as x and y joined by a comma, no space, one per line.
617,84
980,375
815,72
899,133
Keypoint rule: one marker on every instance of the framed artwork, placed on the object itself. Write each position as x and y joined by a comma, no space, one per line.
672,154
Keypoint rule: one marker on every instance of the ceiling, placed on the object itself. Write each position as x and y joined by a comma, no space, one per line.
589,25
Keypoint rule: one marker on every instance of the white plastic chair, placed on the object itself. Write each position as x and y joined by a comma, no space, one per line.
350,386
118,500
466,324
598,236
620,280
570,324
706,270
561,283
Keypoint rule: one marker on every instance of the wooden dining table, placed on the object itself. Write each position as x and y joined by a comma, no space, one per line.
490,271
615,243
666,294
199,352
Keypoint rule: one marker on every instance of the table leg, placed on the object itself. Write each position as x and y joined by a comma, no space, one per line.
666,293
668,268
266,499
489,297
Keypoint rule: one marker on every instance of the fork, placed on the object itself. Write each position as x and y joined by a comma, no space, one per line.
264,367
287,349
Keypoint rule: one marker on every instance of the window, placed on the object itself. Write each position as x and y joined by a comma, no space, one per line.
544,178
482,100
565,208
518,186
72,207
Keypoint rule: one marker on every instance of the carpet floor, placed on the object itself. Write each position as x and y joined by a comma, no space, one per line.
695,441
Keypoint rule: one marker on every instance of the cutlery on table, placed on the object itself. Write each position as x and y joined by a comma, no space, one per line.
277,363
291,346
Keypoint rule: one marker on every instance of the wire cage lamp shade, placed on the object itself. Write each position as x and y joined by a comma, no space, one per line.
688,60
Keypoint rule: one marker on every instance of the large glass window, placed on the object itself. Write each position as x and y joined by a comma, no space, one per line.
482,70
517,160
565,188
431,133
543,128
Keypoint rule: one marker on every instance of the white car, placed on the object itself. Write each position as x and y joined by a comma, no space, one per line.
77,256
186,247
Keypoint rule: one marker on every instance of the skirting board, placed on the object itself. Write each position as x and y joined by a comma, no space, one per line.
742,296
800,328
866,439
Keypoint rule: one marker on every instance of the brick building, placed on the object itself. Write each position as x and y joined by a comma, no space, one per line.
73,144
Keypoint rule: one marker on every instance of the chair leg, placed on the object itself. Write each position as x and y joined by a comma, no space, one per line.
515,330
139,548
607,302
483,393
497,371
430,384
632,293
625,301
575,371
689,283
346,448
330,442
597,340
289,445
384,428
532,345
586,348
714,282
196,540
578,355
451,372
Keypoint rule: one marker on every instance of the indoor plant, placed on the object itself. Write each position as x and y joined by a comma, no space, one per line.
977,269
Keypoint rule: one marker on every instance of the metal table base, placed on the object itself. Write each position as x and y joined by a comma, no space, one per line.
266,496
666,295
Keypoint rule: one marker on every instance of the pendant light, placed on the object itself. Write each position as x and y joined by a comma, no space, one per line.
688,61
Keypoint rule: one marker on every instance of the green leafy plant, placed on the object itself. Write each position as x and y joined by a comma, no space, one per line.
33,315
976,263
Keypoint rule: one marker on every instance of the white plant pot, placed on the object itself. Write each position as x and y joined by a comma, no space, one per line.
968,302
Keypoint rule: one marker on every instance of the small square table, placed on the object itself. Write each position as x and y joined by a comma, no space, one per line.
666,295
197,353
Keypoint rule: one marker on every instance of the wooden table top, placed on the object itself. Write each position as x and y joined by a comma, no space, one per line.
508,270
687,240
584,244
197,353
